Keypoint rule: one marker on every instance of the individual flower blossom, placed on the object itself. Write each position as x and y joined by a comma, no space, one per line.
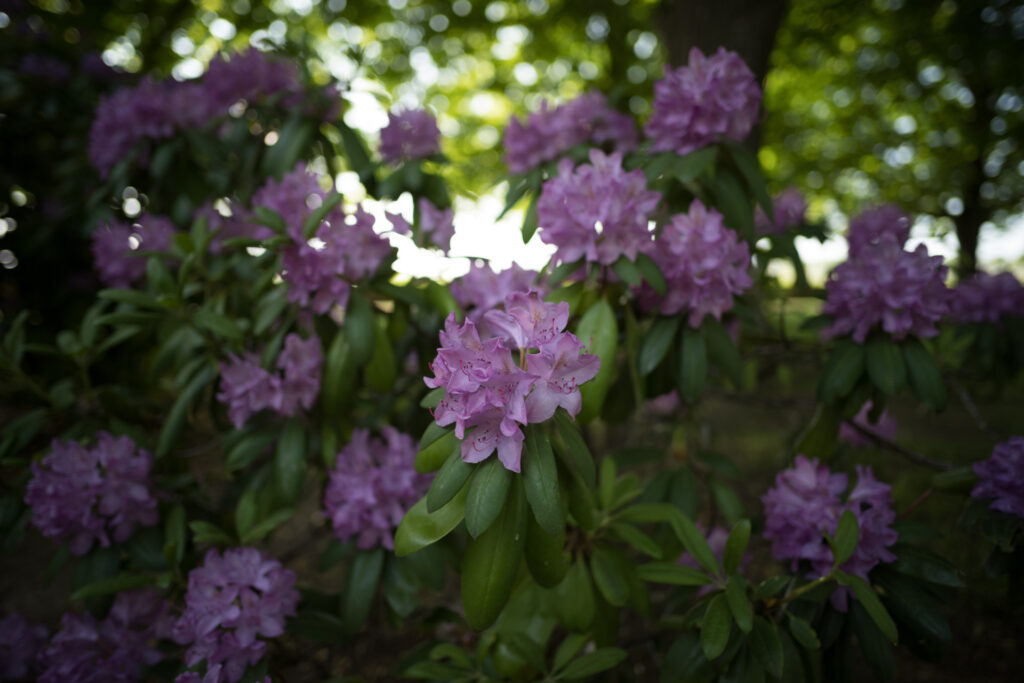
481,289
82,494
598,211
115,650
410,134
115,244
988,298
694,104
546,135
704,264
371,487
1002,477
885,427
789,208
20,644
488,396
867,229
903,292
806,503
247,388
232,601
293,197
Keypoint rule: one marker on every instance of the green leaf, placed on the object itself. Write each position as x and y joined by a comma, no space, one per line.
655,344
546,556
449,480
610,582
121,582
355,152
766,646
770,587
245,512
524,647
923,564
129,296
714,630
436,446
593,663
689,166
869,600
260,530
731,199
268,217
841,371
652,274
540,481
606,482
530,218
179,411
885,365
294,137
845,540
636,538
574,598
358,327
722,351
567,649
361,588
735,546
693,540
726,500
317,215
739,603
873,645
750,169
340,373
925,378
205,532
432,398
290,461
627,271
382,370
174,535
574,449
248,449
420,528
490,563
599,331
488,490
819,439
803,633
675,574
218,324
269,308
693,364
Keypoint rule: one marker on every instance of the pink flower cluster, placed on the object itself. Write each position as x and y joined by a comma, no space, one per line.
988,298
231,602
806,503
487,396
694,104
548,134
597,211
704,264
438,225
115,650
247,388
371,487
867,229
482,289
903,292
789,209
84,494
1002,477
411,134
156,110
115,244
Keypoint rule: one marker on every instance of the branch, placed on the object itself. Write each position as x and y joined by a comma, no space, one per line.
913,456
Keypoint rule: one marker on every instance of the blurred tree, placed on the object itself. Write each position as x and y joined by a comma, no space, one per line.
918,103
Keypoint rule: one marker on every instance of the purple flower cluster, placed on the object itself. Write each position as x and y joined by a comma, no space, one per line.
482,289
231,601
247,388
789,209
437,224
488,394
410,134
372,485
115,650
704,264
84,494
987,298
1002,477
20,644
867,229
806,503
293,197
598,211
548,134
156,110
902,291
114,246
885,427
694,104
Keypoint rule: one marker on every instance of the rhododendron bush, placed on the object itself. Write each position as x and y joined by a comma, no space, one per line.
263,447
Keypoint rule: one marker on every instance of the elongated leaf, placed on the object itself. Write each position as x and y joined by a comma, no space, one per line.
924,375
420,528
179,411
268,217
739,603
869,600
574,598
382,370
599,331
845,540
260,530
636,538
359,327
317,215
205,532
693,364
750,169
218,324
546,556
885,365
491,562
735,546
873,645
116,584
803,633
248,449
576,454
567,649
627,271
609,581
174,536
841,371
435,447
290,462
652,274
656,344
449,480
129,296
591,664
766,646
690,166
693,540
722,351
540,481
361,588
731,199
339,381
488,490
675,574
530,219
245,512
714,630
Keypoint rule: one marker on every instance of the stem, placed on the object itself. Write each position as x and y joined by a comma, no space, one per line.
913,456
807,587
920,499
972,409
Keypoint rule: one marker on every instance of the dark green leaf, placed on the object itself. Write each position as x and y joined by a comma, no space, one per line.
420,528
290,461
924,564
845,540
750,169
925,378
714,630
449,480
652,274
488,490
593,663
540,481
358,327
803,633
876,649
546,557
636,538
675,574
267,525
770,587
268,217
655,344
317,215
766,646
245,512
722,351
574,598
179,411
530,219
436,447
174,535
693,364
735,546
870,601
599,332
731,199
116,584
129,296
841,371
627,271
205,532
739,603
574,449
885,365
693,540
217,323
689,166
567,649
609,581
361,588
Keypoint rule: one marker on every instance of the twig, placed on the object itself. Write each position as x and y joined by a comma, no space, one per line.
896,448
972,409
913,506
